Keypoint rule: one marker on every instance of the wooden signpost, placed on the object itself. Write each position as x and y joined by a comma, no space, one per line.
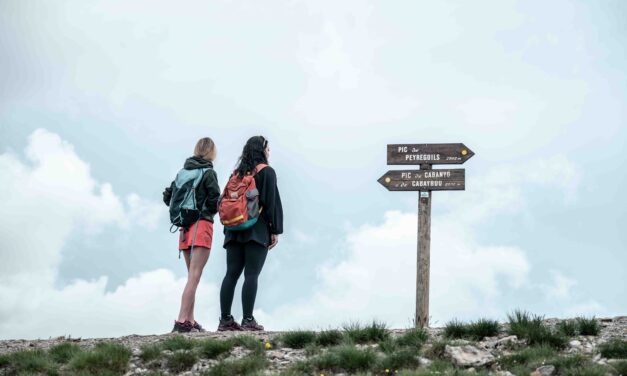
424,181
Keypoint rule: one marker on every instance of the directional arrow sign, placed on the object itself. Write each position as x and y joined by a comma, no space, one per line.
424,180
416,154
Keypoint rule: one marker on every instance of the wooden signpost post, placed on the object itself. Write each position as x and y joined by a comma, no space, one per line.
424,181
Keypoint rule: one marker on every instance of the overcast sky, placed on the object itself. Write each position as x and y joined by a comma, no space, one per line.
101,102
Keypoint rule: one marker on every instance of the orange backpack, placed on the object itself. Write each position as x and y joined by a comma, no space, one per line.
239,203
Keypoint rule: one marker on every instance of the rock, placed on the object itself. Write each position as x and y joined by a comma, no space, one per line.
468,356
424,362
547,370
574,343
506,340
471,370
504,373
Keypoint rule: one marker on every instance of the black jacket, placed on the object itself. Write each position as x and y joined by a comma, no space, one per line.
271,219
208,191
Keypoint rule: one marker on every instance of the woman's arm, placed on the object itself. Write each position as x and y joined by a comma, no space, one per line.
270,200
213,191
167,194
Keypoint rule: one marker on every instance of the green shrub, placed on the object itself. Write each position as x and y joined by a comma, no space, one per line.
574,365
212,348
346,358
440,365
614,349
4,360
375,332
181,361
405,358
414,338
29,362
243,366
528,358
102,358
300,368
150,352
329,338
482,328
64,352
297,339
436,350
248,342
590,370
177,342
455,329
619,368
567,327
531,328
588,326
388,346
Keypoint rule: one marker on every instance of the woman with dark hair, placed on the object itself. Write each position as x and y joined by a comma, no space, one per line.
246,250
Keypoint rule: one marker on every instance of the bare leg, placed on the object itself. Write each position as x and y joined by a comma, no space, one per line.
196,265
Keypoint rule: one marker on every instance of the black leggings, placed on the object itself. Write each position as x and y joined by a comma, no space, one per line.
249,257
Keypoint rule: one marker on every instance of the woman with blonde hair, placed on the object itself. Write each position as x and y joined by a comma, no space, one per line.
197,237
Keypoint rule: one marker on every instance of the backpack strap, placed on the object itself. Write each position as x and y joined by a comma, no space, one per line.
259,167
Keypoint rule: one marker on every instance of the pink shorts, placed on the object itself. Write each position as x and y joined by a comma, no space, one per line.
204,235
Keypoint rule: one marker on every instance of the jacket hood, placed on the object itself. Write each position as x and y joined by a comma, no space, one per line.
194,163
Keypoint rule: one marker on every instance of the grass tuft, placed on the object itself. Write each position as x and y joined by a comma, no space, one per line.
346,358
298,339
64,352
483,328
413,338
150,352
248,342
619,368
212,348
531,328
329,338
528,358
181,361
243,366
375,332
455,329
29,362
567,328
614,349
588,326
105,357
405,358
177,342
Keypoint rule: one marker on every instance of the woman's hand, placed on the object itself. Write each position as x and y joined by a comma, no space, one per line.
274,239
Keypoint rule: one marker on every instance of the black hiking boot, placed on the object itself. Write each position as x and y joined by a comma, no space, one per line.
198,327
228,324
182,327
250,324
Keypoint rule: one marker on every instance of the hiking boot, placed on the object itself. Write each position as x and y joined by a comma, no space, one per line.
198,327
228,324
250,324
182,327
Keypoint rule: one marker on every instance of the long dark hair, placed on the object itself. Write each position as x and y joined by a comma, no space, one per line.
252,155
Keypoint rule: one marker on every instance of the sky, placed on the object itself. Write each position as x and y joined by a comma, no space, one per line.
101,102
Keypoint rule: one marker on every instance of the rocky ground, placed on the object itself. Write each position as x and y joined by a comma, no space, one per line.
464,355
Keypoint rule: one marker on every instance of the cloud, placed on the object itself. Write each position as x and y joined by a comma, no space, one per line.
561,287
46,200
85,309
